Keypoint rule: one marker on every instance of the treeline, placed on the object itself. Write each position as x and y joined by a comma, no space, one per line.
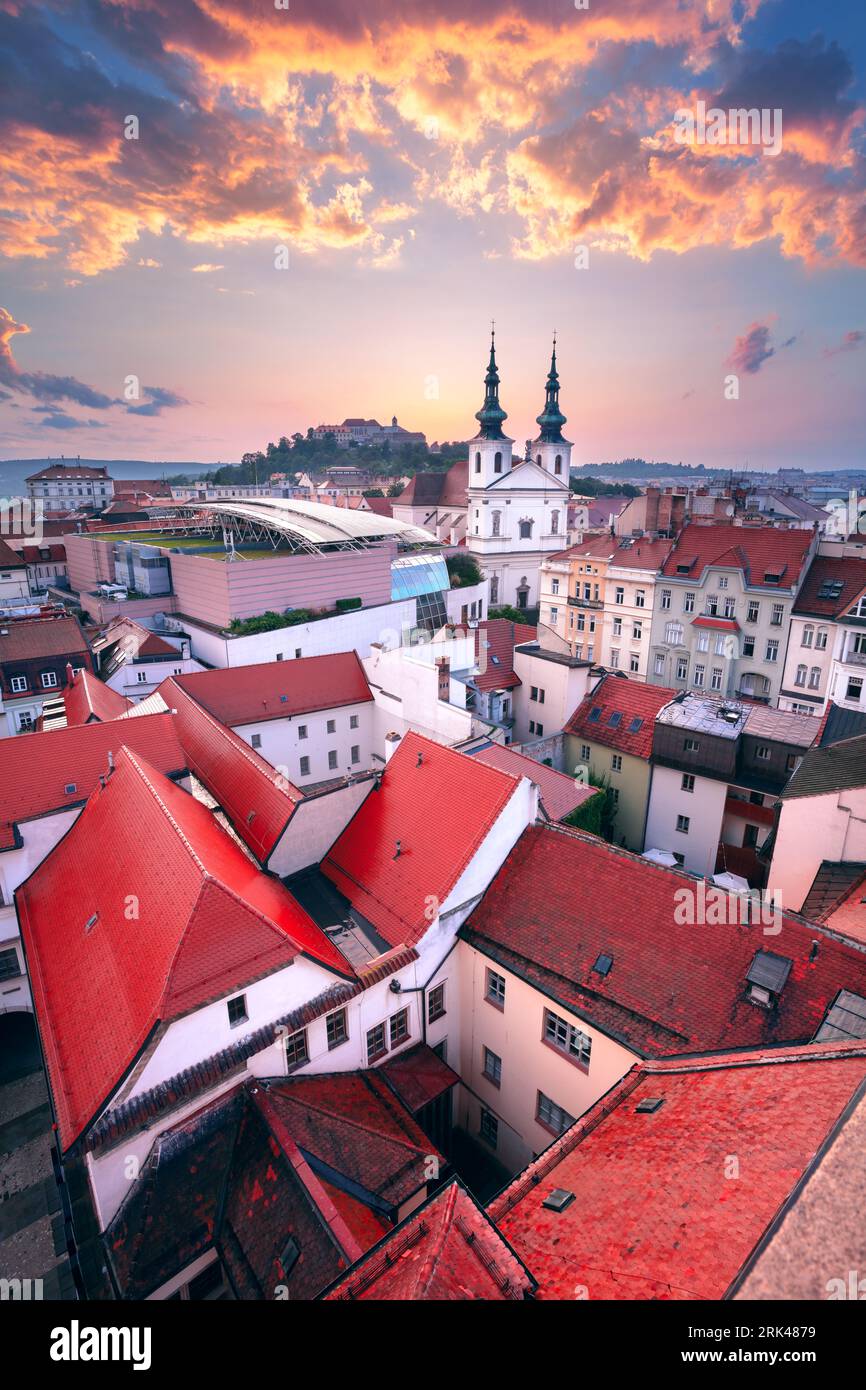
300,453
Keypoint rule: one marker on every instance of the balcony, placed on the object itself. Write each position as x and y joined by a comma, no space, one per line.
596,603
854,658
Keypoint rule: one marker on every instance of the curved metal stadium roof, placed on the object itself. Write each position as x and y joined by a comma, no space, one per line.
310,525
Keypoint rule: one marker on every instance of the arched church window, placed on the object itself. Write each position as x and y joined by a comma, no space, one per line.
525,530
538,459
478,462
557,464
497,463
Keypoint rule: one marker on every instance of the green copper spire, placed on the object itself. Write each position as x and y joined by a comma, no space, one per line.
491,414
551,418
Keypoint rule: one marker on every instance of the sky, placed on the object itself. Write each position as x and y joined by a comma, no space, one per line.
222,221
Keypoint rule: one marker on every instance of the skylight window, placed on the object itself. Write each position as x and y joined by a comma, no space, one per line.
594,714
558,1199
603,964
70,788
649,1106
615,719
635,725
831,588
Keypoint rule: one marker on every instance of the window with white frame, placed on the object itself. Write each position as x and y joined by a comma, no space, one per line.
551,1115
566,1038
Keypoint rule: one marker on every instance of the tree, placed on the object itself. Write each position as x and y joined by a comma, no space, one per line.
463,570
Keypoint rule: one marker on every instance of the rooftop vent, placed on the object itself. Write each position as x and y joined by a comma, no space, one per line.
603,964
766,977
649,1106
398,850
91,922
729,715
558,1199
251,815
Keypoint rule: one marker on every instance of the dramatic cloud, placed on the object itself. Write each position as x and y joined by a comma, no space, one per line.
851,341
45,387
42,385
158,400
312,125
753,349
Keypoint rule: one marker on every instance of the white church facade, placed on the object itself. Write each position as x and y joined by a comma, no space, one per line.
517,510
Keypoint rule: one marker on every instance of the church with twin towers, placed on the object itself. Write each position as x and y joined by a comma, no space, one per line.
517,508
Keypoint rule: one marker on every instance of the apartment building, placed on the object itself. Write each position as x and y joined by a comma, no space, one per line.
14,578
34,656
610,737
68,487
718,769
564,990
723,607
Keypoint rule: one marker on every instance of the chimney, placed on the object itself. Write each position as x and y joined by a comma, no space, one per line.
70,674
392,743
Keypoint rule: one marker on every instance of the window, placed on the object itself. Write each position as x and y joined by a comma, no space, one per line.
752,611
557,464
9,966
821,639
772,652
691,745
18,684
712,605
716,678
636,631
353,721
682,668
688,782
399,1027
614,795
659,664
305,767
689,603
525,530
723,581
489,1128
815,678
337,1029
666,598
331,727
356,753
141,676
614,658
436,1004
619,594
800,678
552,1116
492,1067
698,678
808,636
494,990
617,627
554,616
763,752
256,741
302,731
777,614
376,1045
674,634
497,462
296,1049
566,1038
730,607
478,463
683,825
332,760
616,763
855,688
49,680
237,1008
634,663
25,721
554,586
748,646
640,598
703,643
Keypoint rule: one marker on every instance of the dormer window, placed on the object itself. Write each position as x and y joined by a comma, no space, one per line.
766,977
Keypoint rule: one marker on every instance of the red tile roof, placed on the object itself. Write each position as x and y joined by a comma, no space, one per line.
690,995
137,640
849,571
756,550
632,700
495,640
382,506
716,624
68,470
418,1076
446,1251
36,769
28,639
658,1212
439,811
208,922
90,698
257,799
354,1125
9,558
560,794
33,555
279,689
847,915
